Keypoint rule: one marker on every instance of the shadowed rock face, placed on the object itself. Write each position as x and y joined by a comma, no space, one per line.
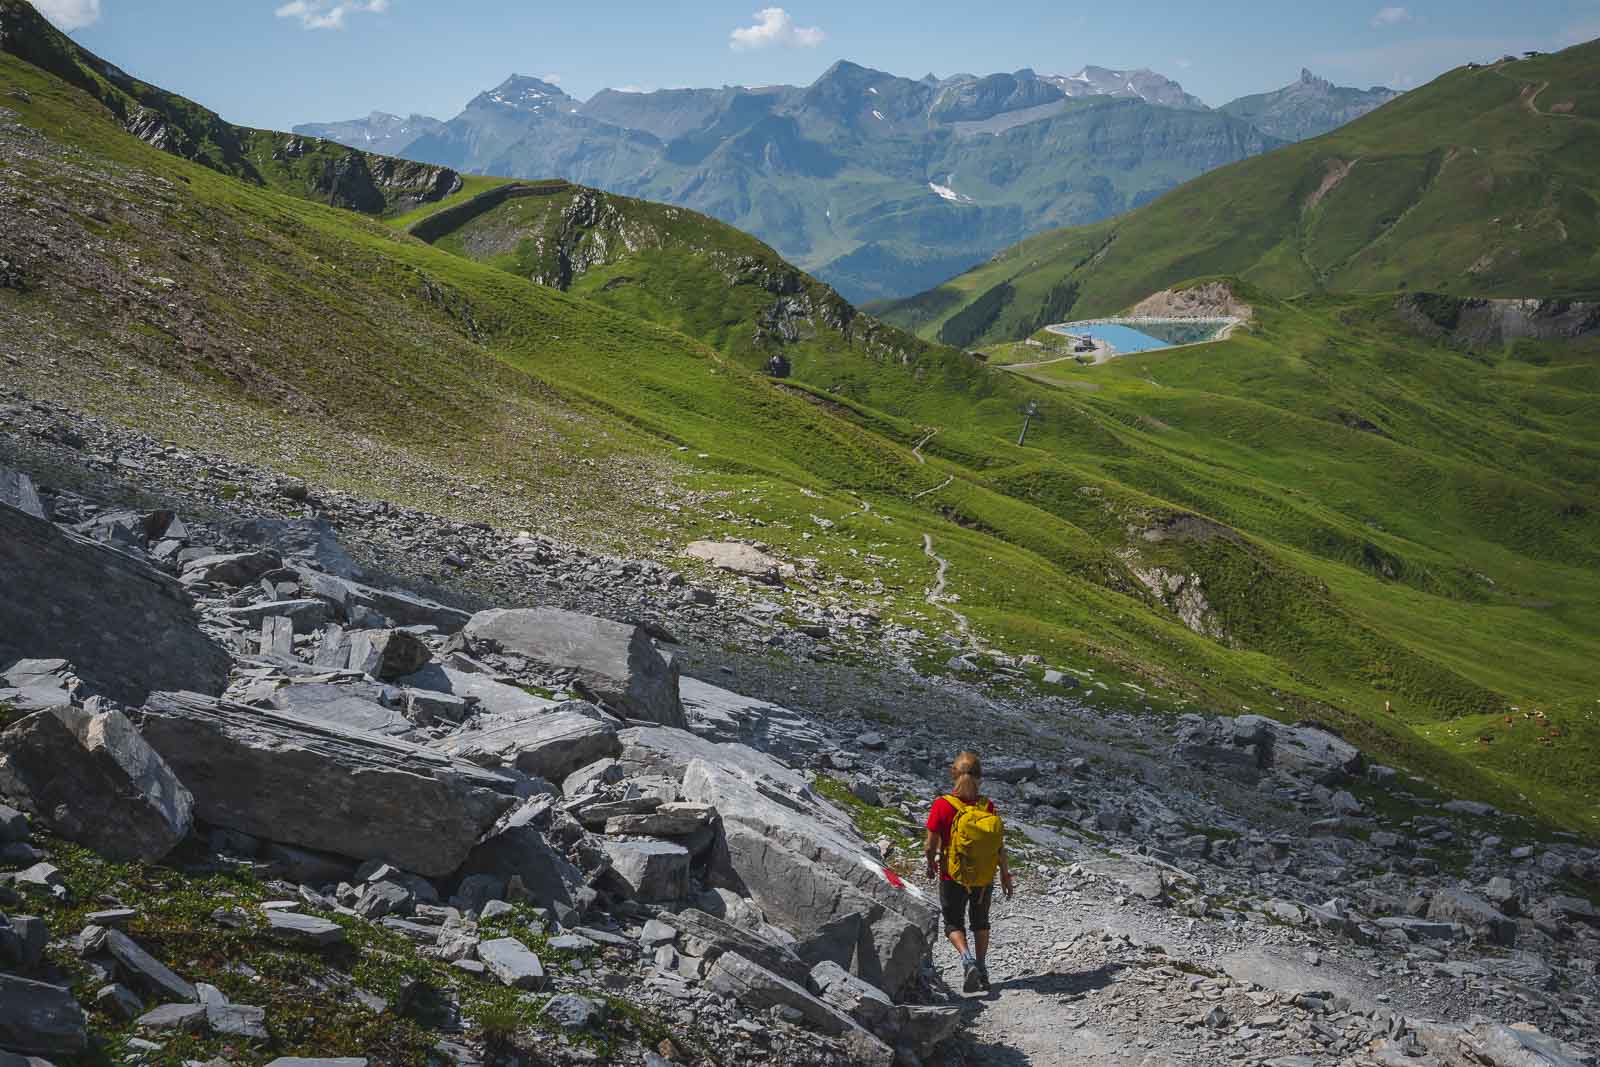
92,779
127,628
278,776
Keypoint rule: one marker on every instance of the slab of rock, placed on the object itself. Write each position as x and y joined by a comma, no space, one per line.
512,962
862,1001
303,1061
1245,745
17,491
616,664
305,929
491,697
351,601
653,872
573,1012
515,848
93,779
231,568
127,628
806,866
286,778
145,971
303,615
552,745
238,1020
1473,912
756,987
310,540
679,819
736,558
723,716
40,1019
188,1018
346,707
704,935
387,654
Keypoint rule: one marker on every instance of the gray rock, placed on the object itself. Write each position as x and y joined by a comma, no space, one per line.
1245,745
145,971
302,1061
1469,807
718,714
92,779
615,664
23,939
127,628
866,792
304,929
304,615
119,1002
551,745
925,1028
862,1001
805,865
756,987
573,1012
656,932
1473,912
588,778
654,872
17,491
41,1019
13,825
311,540
490,697
384,898
679,819
736,558
1010,770
387,654
238,1020
512,963
234,568
188,1018
277,637
424,707
709,937
286,778
353,601
515,848
346,707
1420,929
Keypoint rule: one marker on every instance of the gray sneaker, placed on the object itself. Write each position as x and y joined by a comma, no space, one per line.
971,976
983,975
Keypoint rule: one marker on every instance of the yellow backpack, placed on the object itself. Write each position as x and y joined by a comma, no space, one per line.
976,838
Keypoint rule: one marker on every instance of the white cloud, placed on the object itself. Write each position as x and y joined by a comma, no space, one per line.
328,14
1391,16
774,28
70,15
553,79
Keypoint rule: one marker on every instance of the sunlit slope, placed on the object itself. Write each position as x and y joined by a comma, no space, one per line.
1332,578
1483,182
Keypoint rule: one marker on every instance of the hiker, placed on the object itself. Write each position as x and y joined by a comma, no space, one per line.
966,845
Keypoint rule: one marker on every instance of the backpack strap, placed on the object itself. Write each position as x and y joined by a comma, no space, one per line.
957,803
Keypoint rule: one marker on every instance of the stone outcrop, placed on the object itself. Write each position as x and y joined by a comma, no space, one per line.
736,558
613,664
364,605
93,779
551,745
40,1019
719,715
1246,746
127,628
286,778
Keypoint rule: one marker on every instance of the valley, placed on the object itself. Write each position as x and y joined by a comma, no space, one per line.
539,472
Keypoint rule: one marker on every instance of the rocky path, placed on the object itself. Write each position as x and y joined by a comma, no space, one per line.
935,595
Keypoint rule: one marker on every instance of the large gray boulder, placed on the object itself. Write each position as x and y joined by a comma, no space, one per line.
287,778
653,872
615,664
40,1019
551,745
736,558
345,707
1245,746
127,628
93,779
806,867
17,491
718,714
704,935
387,654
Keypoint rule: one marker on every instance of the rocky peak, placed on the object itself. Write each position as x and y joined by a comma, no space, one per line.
522,92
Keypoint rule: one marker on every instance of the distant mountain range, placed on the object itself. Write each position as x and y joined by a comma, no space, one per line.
880,185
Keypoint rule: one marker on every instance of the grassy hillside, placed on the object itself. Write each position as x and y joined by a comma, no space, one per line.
1481,183
1212,541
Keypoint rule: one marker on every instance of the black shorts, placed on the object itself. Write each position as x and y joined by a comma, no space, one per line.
956,901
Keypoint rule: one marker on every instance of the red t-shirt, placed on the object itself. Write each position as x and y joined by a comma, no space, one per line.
940,820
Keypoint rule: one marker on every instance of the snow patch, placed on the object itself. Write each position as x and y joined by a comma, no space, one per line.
877,115
871,90
944,192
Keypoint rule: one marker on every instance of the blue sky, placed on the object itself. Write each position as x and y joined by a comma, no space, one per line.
274,63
